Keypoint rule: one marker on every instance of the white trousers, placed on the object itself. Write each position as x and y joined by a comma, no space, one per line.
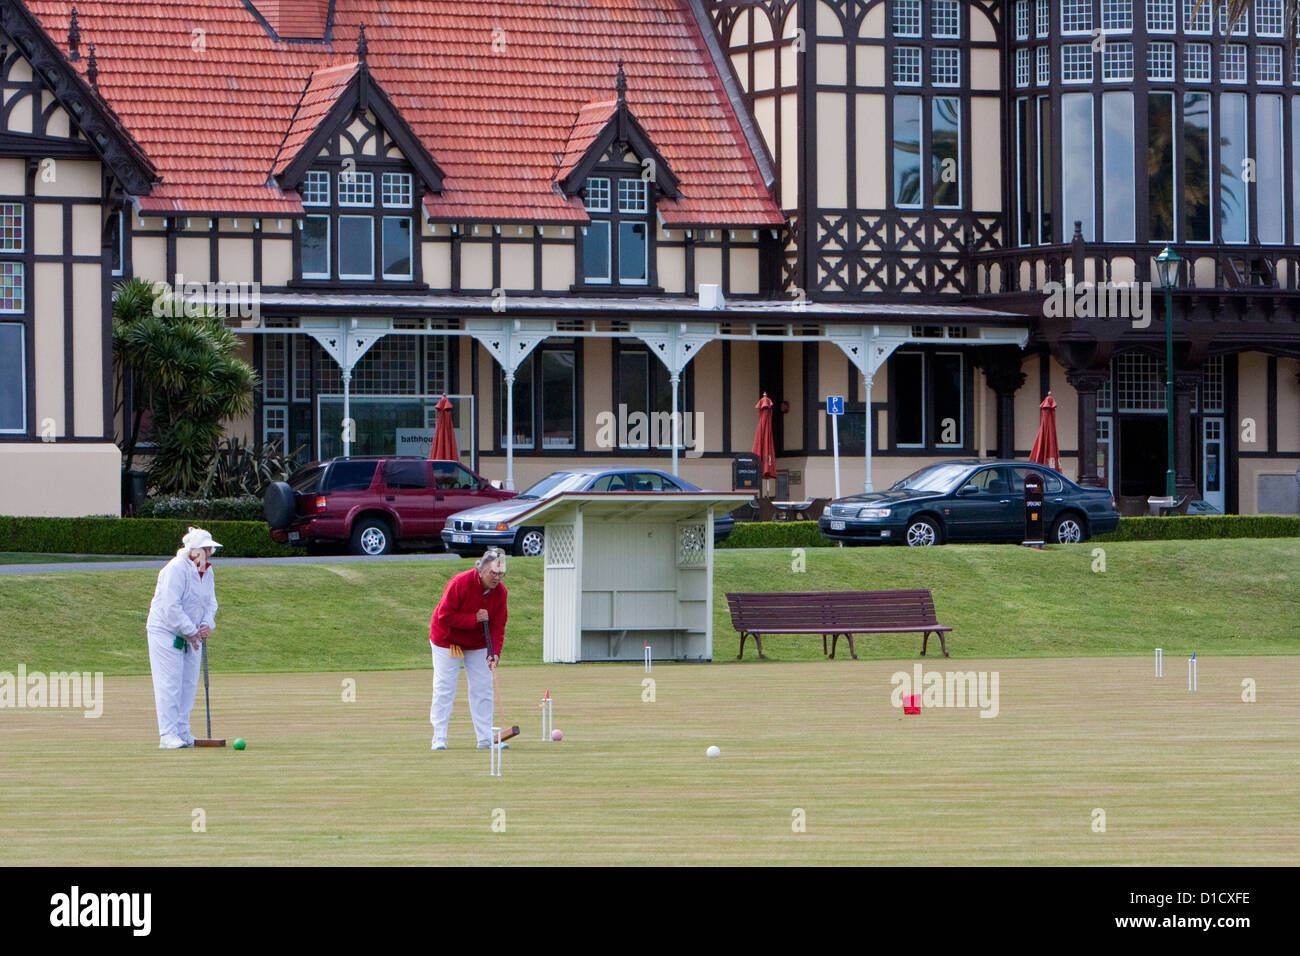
175,681
446,678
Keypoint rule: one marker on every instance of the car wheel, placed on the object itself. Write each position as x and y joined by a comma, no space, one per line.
531,543
922,533
278,505
1068,529
371,536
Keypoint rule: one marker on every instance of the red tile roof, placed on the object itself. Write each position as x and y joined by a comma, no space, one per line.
591,120
295,18
324,87
493,90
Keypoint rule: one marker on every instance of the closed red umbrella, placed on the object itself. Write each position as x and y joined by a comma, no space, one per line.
764,447
444,437
1046,451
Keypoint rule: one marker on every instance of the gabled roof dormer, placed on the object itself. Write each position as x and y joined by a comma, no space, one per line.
605,131
332,99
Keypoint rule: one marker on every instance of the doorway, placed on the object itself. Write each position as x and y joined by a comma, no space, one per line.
1142,455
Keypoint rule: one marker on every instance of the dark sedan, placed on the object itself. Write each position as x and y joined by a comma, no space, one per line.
969,500
469,533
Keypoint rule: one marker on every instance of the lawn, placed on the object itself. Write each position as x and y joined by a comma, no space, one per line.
1235,597
1182,778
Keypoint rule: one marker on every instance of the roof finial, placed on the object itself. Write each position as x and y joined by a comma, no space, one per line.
74,38
92,68
620,84
361,44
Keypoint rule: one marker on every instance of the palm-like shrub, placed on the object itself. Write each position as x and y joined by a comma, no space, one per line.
180,366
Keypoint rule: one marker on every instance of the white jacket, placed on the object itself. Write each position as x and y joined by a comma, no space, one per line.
183,600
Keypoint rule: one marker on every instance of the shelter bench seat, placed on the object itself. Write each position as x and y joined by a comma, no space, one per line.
835,614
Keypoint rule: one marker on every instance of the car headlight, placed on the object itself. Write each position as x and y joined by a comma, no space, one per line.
873,513
484,525
826,512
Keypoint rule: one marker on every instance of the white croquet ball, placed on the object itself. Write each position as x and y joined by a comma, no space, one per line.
713,752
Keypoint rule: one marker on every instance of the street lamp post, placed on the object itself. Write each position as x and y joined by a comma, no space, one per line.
1167,264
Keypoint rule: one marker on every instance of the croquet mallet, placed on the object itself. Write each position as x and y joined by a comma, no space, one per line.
506,732
208,741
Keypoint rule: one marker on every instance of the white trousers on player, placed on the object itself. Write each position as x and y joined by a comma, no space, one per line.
175,681
446,678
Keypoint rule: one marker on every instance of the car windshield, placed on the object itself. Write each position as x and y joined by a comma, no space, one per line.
939,478
557,483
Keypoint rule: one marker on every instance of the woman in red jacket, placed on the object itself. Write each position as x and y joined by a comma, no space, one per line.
456,635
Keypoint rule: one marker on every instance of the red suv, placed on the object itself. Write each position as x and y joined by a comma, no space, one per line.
372,504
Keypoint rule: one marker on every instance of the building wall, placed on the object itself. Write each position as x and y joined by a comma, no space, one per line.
57,456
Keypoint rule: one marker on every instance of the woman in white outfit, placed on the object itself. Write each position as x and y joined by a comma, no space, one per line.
182,615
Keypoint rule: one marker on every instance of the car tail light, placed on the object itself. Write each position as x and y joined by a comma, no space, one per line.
320,502
1112,504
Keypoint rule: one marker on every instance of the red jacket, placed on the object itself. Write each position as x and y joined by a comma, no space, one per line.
454,621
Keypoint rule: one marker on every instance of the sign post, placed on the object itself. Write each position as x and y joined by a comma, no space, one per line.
1033,511
835,408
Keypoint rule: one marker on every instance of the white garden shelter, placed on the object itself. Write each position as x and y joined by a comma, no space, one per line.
626,569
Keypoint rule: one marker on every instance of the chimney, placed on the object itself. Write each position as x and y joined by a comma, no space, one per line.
295,19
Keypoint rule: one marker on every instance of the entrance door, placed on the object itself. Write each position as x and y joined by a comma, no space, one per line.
1143,455
1212,461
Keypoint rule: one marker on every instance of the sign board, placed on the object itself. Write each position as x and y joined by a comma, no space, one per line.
835,405
1033,509
415,441
744,474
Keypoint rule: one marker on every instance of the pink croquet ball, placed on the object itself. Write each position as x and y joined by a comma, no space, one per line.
557,735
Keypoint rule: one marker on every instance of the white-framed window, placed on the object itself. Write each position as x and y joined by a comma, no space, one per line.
1044,65
945,18
1295,67
1076,16
1022,67
596,253
1268,18
1022,19
907,66
316,247
1198,17
1076,63
1239,29
13,373
275,425
356,189
356,247
396,247
1160,62
316,188
1042,19
1196,63
595,195
1161,16
945,66
1232,63
907,18
1268,65
632,196
1117,61
633,252
1212,384
397,192
1140,382
1117,15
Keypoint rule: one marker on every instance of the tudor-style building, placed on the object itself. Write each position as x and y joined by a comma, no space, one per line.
526,207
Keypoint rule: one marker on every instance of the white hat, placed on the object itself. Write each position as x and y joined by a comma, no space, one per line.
198,538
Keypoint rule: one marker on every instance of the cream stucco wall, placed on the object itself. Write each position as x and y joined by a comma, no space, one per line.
597,386
517,266
1252,401
54,479
707,369
558,265
88,345
1288,405
476,265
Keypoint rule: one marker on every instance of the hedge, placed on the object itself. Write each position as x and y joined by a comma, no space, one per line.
247,508
806,534
1200,527
149,536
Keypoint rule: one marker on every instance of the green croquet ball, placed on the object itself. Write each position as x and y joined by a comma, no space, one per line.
239,743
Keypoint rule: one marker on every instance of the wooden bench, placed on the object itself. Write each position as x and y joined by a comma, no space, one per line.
835,614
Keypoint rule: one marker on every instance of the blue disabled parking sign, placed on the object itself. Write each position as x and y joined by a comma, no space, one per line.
834,404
